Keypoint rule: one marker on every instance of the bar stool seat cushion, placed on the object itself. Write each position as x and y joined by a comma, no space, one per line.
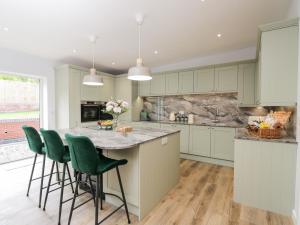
106,164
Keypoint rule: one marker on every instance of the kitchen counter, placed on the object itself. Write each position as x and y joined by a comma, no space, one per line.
196,124
242,133
108,139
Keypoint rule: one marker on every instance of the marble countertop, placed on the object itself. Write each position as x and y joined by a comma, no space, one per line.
243,133
115,140
196,124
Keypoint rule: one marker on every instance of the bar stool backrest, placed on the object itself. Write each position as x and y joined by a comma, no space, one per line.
34,139
84,156
54,145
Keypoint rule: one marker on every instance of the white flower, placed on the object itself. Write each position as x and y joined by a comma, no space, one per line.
124,104
119,102
110,103
109,108
117,110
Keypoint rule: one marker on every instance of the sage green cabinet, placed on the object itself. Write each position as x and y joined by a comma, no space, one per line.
222,143
279,66
158,85
246,84
172,83
257,80
186,82
106,92
204,80
144,88
199,141
226,79
89,93
184,135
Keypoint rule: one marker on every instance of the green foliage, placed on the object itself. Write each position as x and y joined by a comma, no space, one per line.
18,78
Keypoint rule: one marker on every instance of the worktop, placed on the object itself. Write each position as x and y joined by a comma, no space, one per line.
242,133
109,139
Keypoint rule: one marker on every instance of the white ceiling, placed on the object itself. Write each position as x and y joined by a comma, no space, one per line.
178,29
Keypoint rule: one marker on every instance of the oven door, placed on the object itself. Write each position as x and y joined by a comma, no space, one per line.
90,113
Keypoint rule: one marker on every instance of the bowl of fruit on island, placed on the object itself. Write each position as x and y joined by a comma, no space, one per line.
105,124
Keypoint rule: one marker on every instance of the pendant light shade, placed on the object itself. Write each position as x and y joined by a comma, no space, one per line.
92,79
139,72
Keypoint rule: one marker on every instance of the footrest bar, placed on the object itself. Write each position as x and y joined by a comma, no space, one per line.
105,218
83,203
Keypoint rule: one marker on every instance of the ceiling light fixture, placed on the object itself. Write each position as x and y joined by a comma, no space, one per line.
113,63
139,72
155,52
74,51
5,28
92,79
219,35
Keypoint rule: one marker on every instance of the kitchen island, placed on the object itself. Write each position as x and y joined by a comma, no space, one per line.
153,163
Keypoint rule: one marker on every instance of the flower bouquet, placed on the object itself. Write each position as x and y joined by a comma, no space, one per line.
116,108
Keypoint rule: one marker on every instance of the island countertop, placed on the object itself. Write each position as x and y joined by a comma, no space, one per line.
106,139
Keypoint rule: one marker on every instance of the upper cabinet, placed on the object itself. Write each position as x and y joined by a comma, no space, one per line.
158,85
144,88
172,83
246,84
204,80
226,79
186,82
278,65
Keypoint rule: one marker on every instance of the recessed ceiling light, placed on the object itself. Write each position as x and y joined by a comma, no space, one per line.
5,28
113,63
219,35
202,0
155,52
74,51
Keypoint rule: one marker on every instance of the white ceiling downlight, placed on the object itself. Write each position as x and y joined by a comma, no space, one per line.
139,72
92,79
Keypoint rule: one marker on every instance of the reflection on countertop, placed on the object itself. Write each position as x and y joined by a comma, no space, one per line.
242,133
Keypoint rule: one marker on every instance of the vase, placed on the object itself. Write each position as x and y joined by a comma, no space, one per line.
115,122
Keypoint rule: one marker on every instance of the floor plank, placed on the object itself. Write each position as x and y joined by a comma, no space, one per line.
203,196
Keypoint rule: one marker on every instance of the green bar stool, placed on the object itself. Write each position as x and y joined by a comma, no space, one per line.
86,160
37,146
58,153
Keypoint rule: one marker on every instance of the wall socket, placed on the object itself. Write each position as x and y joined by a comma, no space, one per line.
164,140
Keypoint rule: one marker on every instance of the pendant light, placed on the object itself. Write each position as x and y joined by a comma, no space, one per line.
92,79
139,72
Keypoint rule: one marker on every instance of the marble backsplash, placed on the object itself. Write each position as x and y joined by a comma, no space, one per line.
206,108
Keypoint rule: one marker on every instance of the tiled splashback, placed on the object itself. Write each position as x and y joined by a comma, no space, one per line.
205,107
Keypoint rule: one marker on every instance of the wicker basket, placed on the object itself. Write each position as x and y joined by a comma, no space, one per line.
269,133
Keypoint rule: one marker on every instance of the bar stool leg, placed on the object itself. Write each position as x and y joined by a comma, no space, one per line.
92,189
42,181
74,198
61,193
97,200
101,191
123,195
30,179
69,174
57,173
49,183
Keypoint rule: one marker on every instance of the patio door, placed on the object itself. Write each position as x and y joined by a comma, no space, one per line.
19,105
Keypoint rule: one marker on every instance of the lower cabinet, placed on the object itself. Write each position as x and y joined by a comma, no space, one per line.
222,143
199,140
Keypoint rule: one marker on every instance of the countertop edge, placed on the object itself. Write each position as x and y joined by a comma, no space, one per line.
283,140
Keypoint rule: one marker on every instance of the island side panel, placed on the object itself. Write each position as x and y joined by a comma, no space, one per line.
159,170
130,178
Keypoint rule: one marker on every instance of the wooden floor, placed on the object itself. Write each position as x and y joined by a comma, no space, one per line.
203,197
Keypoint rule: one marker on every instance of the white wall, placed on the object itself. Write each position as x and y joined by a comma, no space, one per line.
24,64
225,57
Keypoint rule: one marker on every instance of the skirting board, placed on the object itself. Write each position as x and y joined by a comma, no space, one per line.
206,159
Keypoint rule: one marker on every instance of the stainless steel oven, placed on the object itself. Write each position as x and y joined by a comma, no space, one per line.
93,111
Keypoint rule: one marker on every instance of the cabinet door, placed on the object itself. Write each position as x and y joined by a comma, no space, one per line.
226,79
222,143
257,80
204,80
74,100
186,82
246,84
199,141
144,88
171,83
106,92
89,93
158,85
279,63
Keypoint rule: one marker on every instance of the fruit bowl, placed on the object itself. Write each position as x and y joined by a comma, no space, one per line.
105,124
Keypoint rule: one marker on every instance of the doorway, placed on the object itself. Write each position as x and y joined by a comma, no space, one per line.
19,105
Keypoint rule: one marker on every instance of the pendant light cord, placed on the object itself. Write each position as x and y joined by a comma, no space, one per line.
93,52
139,26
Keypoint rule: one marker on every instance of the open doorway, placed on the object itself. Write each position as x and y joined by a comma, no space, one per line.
19,105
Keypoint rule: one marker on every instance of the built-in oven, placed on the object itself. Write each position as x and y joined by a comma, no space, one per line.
93,111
